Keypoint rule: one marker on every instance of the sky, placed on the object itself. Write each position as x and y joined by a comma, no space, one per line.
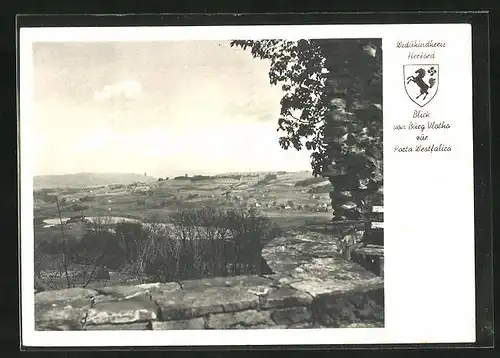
164,108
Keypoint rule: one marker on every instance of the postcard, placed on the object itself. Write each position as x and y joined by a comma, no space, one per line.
247,185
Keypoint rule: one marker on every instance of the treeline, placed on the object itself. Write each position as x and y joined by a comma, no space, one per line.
309,181
207,177
194,178
225,176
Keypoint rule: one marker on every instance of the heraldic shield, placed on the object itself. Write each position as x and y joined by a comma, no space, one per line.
421,82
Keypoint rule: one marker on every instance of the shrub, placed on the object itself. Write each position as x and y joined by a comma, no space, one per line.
267,179
207,242
79,207
44,195
200,177
54,245
99,246
188,244
201,242
309,181
56,263
321,189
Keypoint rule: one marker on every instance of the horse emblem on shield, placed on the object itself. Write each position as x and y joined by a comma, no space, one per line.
421,82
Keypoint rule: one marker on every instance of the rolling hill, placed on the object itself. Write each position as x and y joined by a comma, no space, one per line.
87,179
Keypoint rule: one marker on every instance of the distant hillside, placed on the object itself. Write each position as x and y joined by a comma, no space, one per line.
258,173
88,179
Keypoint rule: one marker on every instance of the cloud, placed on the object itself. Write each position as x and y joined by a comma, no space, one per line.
125,89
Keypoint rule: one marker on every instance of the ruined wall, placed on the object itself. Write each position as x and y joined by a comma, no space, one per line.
355,177
312,286
353,136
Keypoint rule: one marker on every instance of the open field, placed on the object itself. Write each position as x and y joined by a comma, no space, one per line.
280,199
288,200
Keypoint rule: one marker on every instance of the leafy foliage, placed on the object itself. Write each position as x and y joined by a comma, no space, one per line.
324,80
332,106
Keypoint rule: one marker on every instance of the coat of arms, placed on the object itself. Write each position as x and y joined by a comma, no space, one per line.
421,82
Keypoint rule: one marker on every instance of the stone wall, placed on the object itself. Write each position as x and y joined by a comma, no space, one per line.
370,257
312,286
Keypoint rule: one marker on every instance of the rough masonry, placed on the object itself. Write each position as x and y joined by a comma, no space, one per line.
312,286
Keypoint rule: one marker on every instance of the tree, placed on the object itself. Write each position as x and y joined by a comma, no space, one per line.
58,262
332,106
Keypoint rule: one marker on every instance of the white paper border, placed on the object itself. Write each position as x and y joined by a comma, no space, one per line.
429,284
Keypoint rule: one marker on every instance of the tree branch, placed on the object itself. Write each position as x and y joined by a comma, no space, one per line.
65,252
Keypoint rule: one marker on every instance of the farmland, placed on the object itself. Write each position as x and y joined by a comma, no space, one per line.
277,196
287,200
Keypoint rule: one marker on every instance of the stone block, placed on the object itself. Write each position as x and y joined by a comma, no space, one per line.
335,287
143,326
124,292
240,319
283,278
187,304
364,325
235,281
291,315
124,311
61,315
320,277
285,296
355,306
195,323
271,325
305,325
65,295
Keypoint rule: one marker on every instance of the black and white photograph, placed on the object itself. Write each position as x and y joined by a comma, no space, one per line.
246,185
208,184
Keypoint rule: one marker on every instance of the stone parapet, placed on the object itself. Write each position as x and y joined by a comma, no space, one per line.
312,286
